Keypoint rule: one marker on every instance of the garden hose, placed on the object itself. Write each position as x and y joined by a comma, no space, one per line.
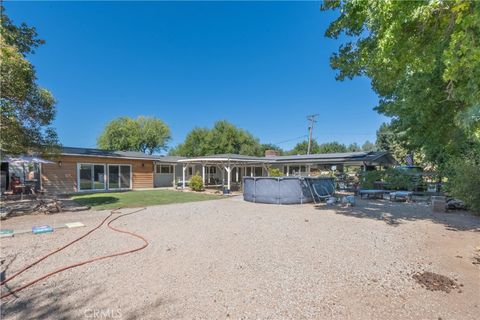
145,244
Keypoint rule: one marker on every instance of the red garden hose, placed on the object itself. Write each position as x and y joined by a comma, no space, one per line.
79,263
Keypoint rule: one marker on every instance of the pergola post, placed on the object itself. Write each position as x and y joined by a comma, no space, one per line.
174,176
266,169
229,170
184,168
223,177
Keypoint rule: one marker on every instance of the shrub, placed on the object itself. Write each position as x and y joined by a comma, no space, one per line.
274,172
463,182
196,183
399,180
368,178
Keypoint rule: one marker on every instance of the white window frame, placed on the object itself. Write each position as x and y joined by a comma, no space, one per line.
118,165
79,164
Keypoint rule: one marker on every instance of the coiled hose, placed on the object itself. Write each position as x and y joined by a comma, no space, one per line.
145,244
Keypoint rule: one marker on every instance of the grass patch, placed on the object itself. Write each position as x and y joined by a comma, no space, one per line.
135,199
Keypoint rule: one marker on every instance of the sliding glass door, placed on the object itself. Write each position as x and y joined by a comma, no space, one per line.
119,176
91,176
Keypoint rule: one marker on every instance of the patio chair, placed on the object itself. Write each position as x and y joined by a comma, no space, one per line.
324,193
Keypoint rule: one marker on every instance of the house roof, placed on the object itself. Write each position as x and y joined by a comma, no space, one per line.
357,158
90,152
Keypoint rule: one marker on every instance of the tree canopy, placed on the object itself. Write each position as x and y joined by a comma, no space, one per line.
354,147
369,146
145,134
302,148
328,147
423,59
224,137
26,109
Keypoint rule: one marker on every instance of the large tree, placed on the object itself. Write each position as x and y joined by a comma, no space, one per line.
302,148
368,146
196,144
224,137
328,147
26,109
332,147
423,58
354,147
145,134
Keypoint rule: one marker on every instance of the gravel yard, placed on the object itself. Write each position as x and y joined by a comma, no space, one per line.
232,259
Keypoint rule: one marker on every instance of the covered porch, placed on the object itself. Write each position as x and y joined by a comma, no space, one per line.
223,170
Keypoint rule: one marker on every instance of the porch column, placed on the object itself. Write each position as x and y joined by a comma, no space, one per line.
229,170
251,171
174,176
223,177
183,175
236,174
288,170
203,174
266,169
308,170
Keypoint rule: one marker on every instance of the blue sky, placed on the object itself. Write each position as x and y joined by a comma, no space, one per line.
262,66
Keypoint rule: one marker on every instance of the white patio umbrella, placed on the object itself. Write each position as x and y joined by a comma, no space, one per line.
27,159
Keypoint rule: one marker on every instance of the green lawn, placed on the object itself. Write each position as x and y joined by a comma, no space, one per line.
134,199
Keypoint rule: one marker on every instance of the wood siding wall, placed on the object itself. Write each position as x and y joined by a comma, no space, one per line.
63,179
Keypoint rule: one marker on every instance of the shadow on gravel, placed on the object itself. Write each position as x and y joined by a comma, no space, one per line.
90,302
48,303
395,213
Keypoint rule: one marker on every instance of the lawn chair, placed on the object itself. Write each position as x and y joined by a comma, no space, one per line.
321,192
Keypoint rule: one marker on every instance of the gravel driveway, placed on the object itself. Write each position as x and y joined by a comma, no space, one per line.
232,259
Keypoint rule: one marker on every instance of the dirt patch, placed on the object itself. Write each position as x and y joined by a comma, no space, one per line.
436,282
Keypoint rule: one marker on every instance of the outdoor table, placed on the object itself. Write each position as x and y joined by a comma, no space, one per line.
407,195
371,192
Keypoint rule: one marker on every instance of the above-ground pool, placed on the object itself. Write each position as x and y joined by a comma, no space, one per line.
286,190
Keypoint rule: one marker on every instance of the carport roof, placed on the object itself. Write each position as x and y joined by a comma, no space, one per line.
345,157
372,157
226,157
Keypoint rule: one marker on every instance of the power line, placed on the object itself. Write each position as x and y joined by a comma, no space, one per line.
290,140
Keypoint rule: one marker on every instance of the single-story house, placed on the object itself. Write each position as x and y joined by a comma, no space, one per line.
91,170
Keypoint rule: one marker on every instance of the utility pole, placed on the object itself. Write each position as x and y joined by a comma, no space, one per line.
312,118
